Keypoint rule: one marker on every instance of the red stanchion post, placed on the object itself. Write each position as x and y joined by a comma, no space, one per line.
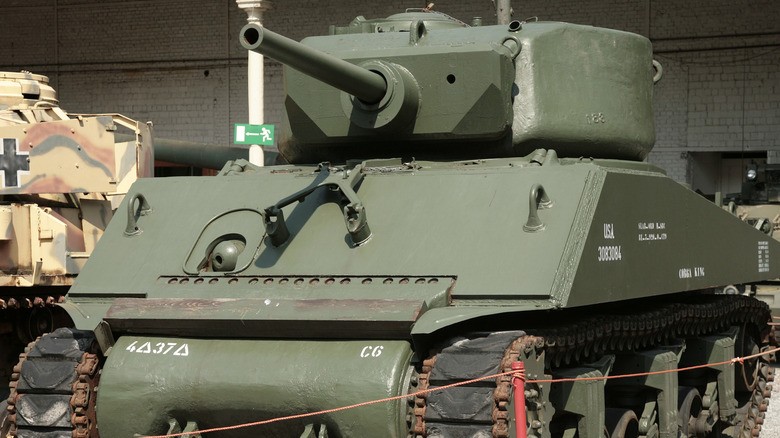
518,383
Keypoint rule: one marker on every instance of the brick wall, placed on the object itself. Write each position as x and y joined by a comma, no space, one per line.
177,62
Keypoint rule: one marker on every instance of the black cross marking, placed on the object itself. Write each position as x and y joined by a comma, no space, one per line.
12,161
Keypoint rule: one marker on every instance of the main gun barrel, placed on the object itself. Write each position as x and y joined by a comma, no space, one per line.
364,84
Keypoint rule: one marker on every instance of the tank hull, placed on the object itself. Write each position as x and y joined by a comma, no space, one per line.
611,248
611,232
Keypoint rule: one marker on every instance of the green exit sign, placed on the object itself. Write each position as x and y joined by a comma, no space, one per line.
254,134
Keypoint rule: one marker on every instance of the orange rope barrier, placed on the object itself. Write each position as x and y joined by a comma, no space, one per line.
516,373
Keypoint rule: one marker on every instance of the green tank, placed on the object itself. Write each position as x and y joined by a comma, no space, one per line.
459,201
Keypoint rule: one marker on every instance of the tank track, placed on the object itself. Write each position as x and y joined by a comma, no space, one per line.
23,318
452,414
53,387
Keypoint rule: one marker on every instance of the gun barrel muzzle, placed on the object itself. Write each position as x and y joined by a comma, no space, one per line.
366,85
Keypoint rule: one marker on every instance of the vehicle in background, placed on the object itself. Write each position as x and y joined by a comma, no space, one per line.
62,176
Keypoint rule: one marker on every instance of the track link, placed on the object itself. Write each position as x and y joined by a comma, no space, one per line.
23,318
29,302
53,387
480,411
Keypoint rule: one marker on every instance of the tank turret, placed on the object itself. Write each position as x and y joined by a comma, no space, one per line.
426,86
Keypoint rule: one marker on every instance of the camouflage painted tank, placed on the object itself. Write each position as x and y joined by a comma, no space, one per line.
758,204
61,178
69,170
477,199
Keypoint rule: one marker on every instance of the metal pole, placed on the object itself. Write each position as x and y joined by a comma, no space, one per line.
255,75
503,11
